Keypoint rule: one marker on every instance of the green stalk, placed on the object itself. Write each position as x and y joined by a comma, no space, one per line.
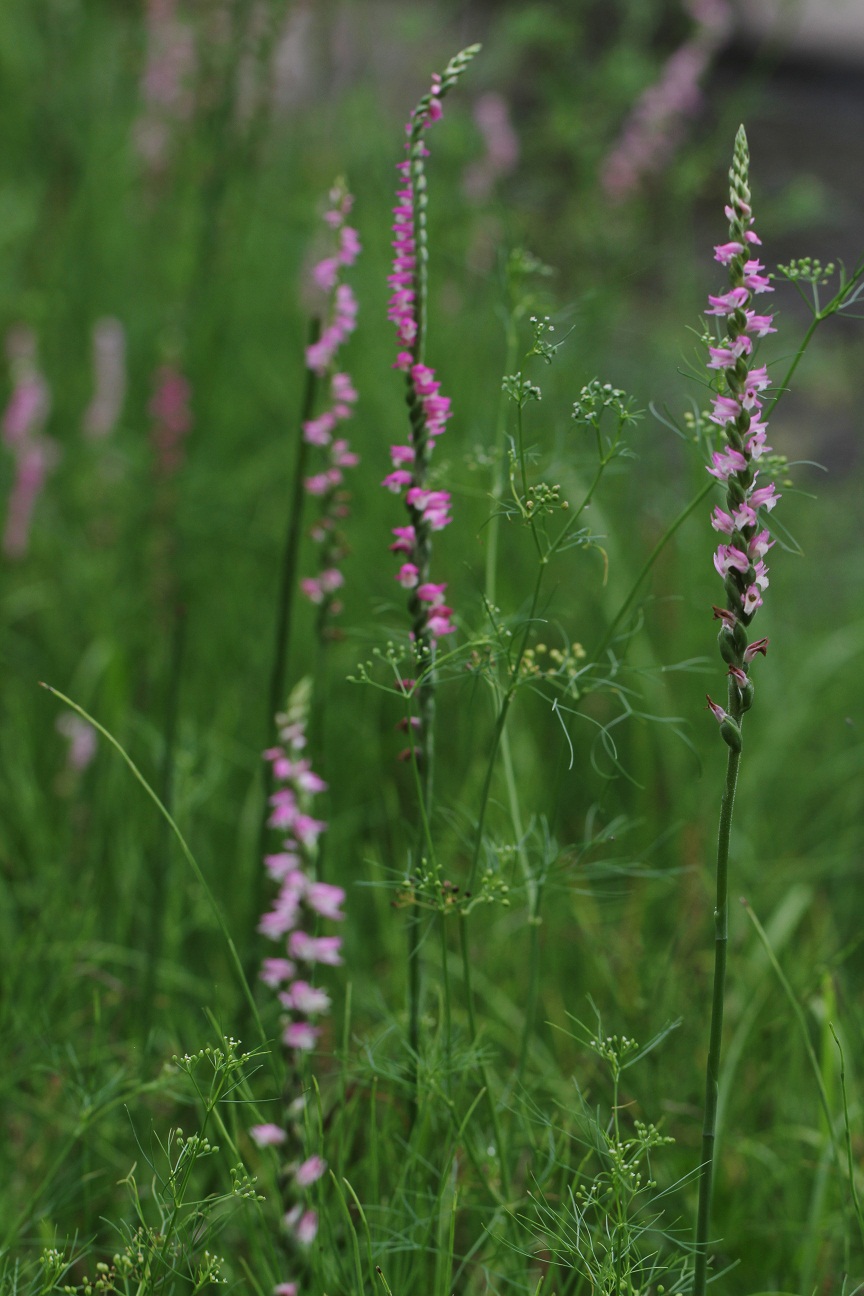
721,939
284,621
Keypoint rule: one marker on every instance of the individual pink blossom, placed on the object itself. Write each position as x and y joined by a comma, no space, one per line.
325,900
275,971
728,357
728,558
300,1035
315,949
726,463
717,711
765,497
305,998
728,302
406,539
758,646
310,1171
82,740
281,864
303,1224
285,1289
725,252
267,1135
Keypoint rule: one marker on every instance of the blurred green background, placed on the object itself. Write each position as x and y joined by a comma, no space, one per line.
167,166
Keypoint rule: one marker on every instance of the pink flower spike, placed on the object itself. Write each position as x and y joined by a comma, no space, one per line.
267,1135
311,1170
757,646
301,1036
285,1289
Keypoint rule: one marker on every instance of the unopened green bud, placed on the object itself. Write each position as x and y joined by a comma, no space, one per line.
730,732
728,649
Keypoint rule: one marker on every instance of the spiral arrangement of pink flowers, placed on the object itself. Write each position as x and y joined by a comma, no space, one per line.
740,559
301,902
299,907
429,411
326,485
23,422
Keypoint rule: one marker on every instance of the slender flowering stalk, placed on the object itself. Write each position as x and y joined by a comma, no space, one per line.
740,562
299,907
166,94
23,422
656,125
325,484
429,411
492,116
109,379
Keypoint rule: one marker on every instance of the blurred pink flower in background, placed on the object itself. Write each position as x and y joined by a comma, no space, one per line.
657,123
166,95
109,379
22,425
492,116
172,420
82,740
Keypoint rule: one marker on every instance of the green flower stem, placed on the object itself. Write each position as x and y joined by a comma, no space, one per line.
493,530
284,624
721,940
